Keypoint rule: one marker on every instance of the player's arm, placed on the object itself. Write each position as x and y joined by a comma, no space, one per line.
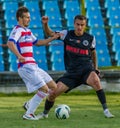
13,48
48,40
94,58
93,53
47,29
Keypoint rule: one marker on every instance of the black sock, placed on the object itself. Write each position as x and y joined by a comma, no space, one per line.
48,106
102,98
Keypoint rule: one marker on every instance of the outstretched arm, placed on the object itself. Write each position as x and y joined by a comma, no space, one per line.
47,41
47,29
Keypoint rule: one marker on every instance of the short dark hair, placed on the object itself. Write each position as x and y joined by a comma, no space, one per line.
20,12
80,17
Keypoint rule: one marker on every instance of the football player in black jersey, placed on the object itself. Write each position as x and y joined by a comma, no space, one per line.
80,63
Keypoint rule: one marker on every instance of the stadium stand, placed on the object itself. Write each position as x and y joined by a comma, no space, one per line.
61,14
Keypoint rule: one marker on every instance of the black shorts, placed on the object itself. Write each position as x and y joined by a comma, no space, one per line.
73,80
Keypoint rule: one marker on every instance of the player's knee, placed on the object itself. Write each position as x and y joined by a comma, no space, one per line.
44,89
52,96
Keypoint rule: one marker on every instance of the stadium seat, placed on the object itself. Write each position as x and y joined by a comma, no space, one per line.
57,56
10,23
70,4
13,66
99,33
117,55
39,50
9,5
104,61
111,3
40,56
93,11
52,11
38,33
113,11
90,3
118,63
103,57
1,64
32,5
116,37
58,65
116,45
50,4
72,8
42,64
56,47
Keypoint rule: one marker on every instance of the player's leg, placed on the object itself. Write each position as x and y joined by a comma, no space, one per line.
94,81
61,88
34,102
36,81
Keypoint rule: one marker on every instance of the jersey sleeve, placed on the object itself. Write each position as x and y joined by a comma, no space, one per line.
34,39
93,45
14,35
63,34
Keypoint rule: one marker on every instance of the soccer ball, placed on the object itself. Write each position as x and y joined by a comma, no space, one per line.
62,111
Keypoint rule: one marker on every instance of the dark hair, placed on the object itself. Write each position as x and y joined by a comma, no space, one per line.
80,17
20,12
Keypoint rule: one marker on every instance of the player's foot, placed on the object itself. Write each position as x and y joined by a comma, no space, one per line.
42,116
108,114
26,105
30,117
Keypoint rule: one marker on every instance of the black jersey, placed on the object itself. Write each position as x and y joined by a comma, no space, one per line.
77,51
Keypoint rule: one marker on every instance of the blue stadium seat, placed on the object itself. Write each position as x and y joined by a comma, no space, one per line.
113,11
90,3
72,8
53,13
50,4
93,11
99,33
40,56
117,55
1,64
9,5
111,3
42,64
104,61
118,63
114,21
57,56
32,5
116,44
58,66
70,3
10,22
56,47
103,58
13,66
38,33
116,37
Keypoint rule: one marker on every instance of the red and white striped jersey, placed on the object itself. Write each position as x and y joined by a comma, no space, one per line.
24,40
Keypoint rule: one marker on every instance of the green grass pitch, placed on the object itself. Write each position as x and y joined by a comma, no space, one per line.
86,112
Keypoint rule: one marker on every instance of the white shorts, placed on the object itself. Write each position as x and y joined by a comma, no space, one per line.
33,76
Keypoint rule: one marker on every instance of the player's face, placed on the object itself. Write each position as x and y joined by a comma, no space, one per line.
79,26
25,19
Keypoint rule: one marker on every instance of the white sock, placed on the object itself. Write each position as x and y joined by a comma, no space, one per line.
35,101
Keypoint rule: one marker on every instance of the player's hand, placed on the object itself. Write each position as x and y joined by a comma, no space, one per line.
44,19
21,59
56,36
